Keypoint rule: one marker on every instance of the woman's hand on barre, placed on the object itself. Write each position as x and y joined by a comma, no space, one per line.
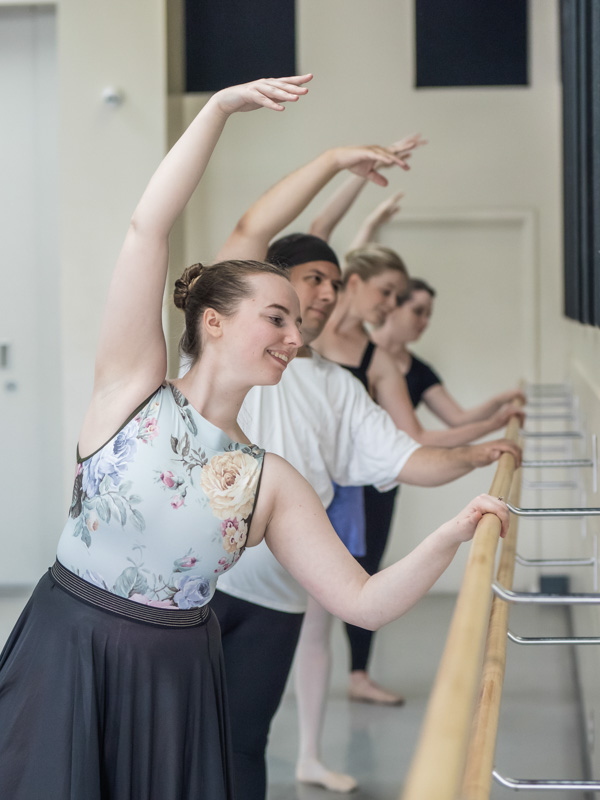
506,412
462,526
510,396
263,93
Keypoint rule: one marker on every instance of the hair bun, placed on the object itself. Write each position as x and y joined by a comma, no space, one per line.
183,285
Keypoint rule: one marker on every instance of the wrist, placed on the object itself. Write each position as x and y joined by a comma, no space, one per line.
334,159
465,455
215,106
449,536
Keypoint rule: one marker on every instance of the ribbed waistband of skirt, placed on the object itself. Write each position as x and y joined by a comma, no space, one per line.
176,618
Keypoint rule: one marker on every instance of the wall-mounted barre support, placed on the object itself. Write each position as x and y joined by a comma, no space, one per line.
536,448
530,783
552,434
548,388
563,416
550,484
556,513
554,562
535,598
542,640
569,463
559,462
549,402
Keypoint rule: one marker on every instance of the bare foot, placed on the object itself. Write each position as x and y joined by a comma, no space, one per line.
365,690
312,771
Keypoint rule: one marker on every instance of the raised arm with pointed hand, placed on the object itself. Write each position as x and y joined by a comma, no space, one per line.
323,565
282,203
343,198
373,221
131,358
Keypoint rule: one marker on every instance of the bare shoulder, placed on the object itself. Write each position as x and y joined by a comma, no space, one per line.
276,470
279,480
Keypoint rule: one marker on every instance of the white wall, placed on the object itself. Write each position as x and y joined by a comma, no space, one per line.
107,156
582,371
30,382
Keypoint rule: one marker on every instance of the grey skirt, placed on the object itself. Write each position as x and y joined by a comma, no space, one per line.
95,705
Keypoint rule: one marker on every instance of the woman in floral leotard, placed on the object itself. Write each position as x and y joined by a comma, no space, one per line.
111,683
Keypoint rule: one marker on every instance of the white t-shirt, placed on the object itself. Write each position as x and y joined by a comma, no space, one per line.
320,418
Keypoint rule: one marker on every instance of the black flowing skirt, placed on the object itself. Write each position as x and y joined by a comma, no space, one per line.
97,706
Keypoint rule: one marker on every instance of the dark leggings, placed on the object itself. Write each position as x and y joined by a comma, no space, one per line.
379,508
258,645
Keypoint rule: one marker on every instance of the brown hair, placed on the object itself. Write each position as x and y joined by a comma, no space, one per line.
419,285
371,260
221,286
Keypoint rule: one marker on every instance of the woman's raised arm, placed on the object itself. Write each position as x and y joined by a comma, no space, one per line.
131,355
284,201
344,197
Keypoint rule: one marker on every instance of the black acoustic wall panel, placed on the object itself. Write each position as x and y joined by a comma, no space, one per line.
234,41
580,59
471,42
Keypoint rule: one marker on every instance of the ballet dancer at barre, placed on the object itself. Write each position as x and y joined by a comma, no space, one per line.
111,683
322,420
468,424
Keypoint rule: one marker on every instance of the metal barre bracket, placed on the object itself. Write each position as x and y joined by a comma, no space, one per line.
554,562
557,513
572,462
531,783
550,484
536,598
559,462
552,434
542,640
536,416
565,388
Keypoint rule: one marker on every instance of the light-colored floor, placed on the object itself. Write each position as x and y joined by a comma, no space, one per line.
539,731
539,735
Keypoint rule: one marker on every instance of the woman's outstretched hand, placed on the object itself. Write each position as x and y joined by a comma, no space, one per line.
367,161
404,146
462,526
386,210
263,93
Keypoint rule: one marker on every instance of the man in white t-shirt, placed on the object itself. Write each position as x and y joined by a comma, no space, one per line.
320,419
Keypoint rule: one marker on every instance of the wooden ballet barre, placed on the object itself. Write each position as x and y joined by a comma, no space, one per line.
477,780
437,768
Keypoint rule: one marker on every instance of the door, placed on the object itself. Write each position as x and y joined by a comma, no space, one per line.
31,498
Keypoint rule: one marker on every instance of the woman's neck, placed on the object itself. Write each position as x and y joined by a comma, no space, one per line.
344,337
215,395
397,350
344,321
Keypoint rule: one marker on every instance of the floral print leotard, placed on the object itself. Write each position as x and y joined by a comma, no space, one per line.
163,508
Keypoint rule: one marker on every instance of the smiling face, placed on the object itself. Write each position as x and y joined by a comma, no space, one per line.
263,335
317,284
410,320
376,297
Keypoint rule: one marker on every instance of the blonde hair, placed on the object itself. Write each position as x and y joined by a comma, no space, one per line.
371,260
